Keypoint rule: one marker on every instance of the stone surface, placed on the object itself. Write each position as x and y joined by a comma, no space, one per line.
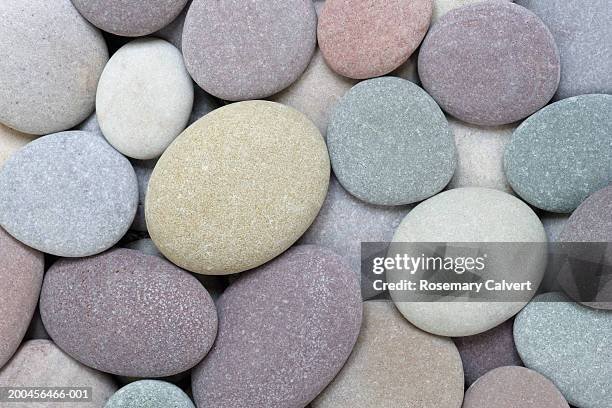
237,188
91,125
150,394
394,364
141,315
41,91
553,224
68,194
369,38
11,141
563,153
441,7
145,98
237,51
145,245
571,345
173,32
143,170
592,220
389,143
490,63
294,321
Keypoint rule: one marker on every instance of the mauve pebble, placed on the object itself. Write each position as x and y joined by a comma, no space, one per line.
389,143
563,153
570,344
127,313
11,141
173,32
490,63
554,224
50,62
143,170
130,18
513,387
285,330
394,364
368,38
238,50
441,7
21,274
150,394
40,363
203,104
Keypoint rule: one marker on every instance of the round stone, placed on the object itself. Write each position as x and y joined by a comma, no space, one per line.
237,188
236,51
396,365
145,98
562,154
441,7
150,394
21,273
513,387
295,321
369,38
569,344
132,18
51,61
152,318
490,63
68,194
389,143
11,141
143,170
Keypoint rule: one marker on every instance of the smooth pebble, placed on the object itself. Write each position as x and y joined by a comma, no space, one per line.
11,141
150,394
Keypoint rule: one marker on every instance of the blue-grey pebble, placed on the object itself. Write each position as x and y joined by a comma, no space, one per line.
563,153
389,143
149,394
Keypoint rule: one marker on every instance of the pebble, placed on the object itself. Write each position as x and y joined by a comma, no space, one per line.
237,188
220,47
145,98
490,63
562,154
368,38
21,273
146,246
571,345
285,330
141,315
441,7
150,394
51,60
513,387
389,143
91,125
11,141
394,364
143,170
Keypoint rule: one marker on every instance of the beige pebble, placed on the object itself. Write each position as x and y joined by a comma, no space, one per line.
11,140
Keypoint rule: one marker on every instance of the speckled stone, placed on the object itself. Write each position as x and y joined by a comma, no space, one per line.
127,313
369,38
173,32
490,63
571,345
40,363
150,394
472,215
294,321
143,170
130,18
21,273
389,143
11,141
441,7
237,188
513,387
562,154
203,104
394,364
50,63
487,351
237,51
554,224
68,194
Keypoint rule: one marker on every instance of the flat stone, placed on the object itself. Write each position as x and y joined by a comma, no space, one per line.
143,170
264,179
295,321
68,194
368,38
150,394
173,32
389,143
41,92
394,364
11,141
441,7
220,47
141,315
490,63
547,162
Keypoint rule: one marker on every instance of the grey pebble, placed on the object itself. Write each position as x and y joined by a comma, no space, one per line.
149,394
553,224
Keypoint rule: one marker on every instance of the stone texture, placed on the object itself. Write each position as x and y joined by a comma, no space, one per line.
143,170
50,63
562,154
553,224
490,63
394,364
237,51
68,194
173,32
11,141
389,143
127,313
150,394
441,7
91,125
368,38
145,246
237,188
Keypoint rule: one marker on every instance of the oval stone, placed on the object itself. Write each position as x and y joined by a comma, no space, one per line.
11,141
127,313
150,394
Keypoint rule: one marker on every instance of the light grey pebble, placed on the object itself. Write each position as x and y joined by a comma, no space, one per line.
150,394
